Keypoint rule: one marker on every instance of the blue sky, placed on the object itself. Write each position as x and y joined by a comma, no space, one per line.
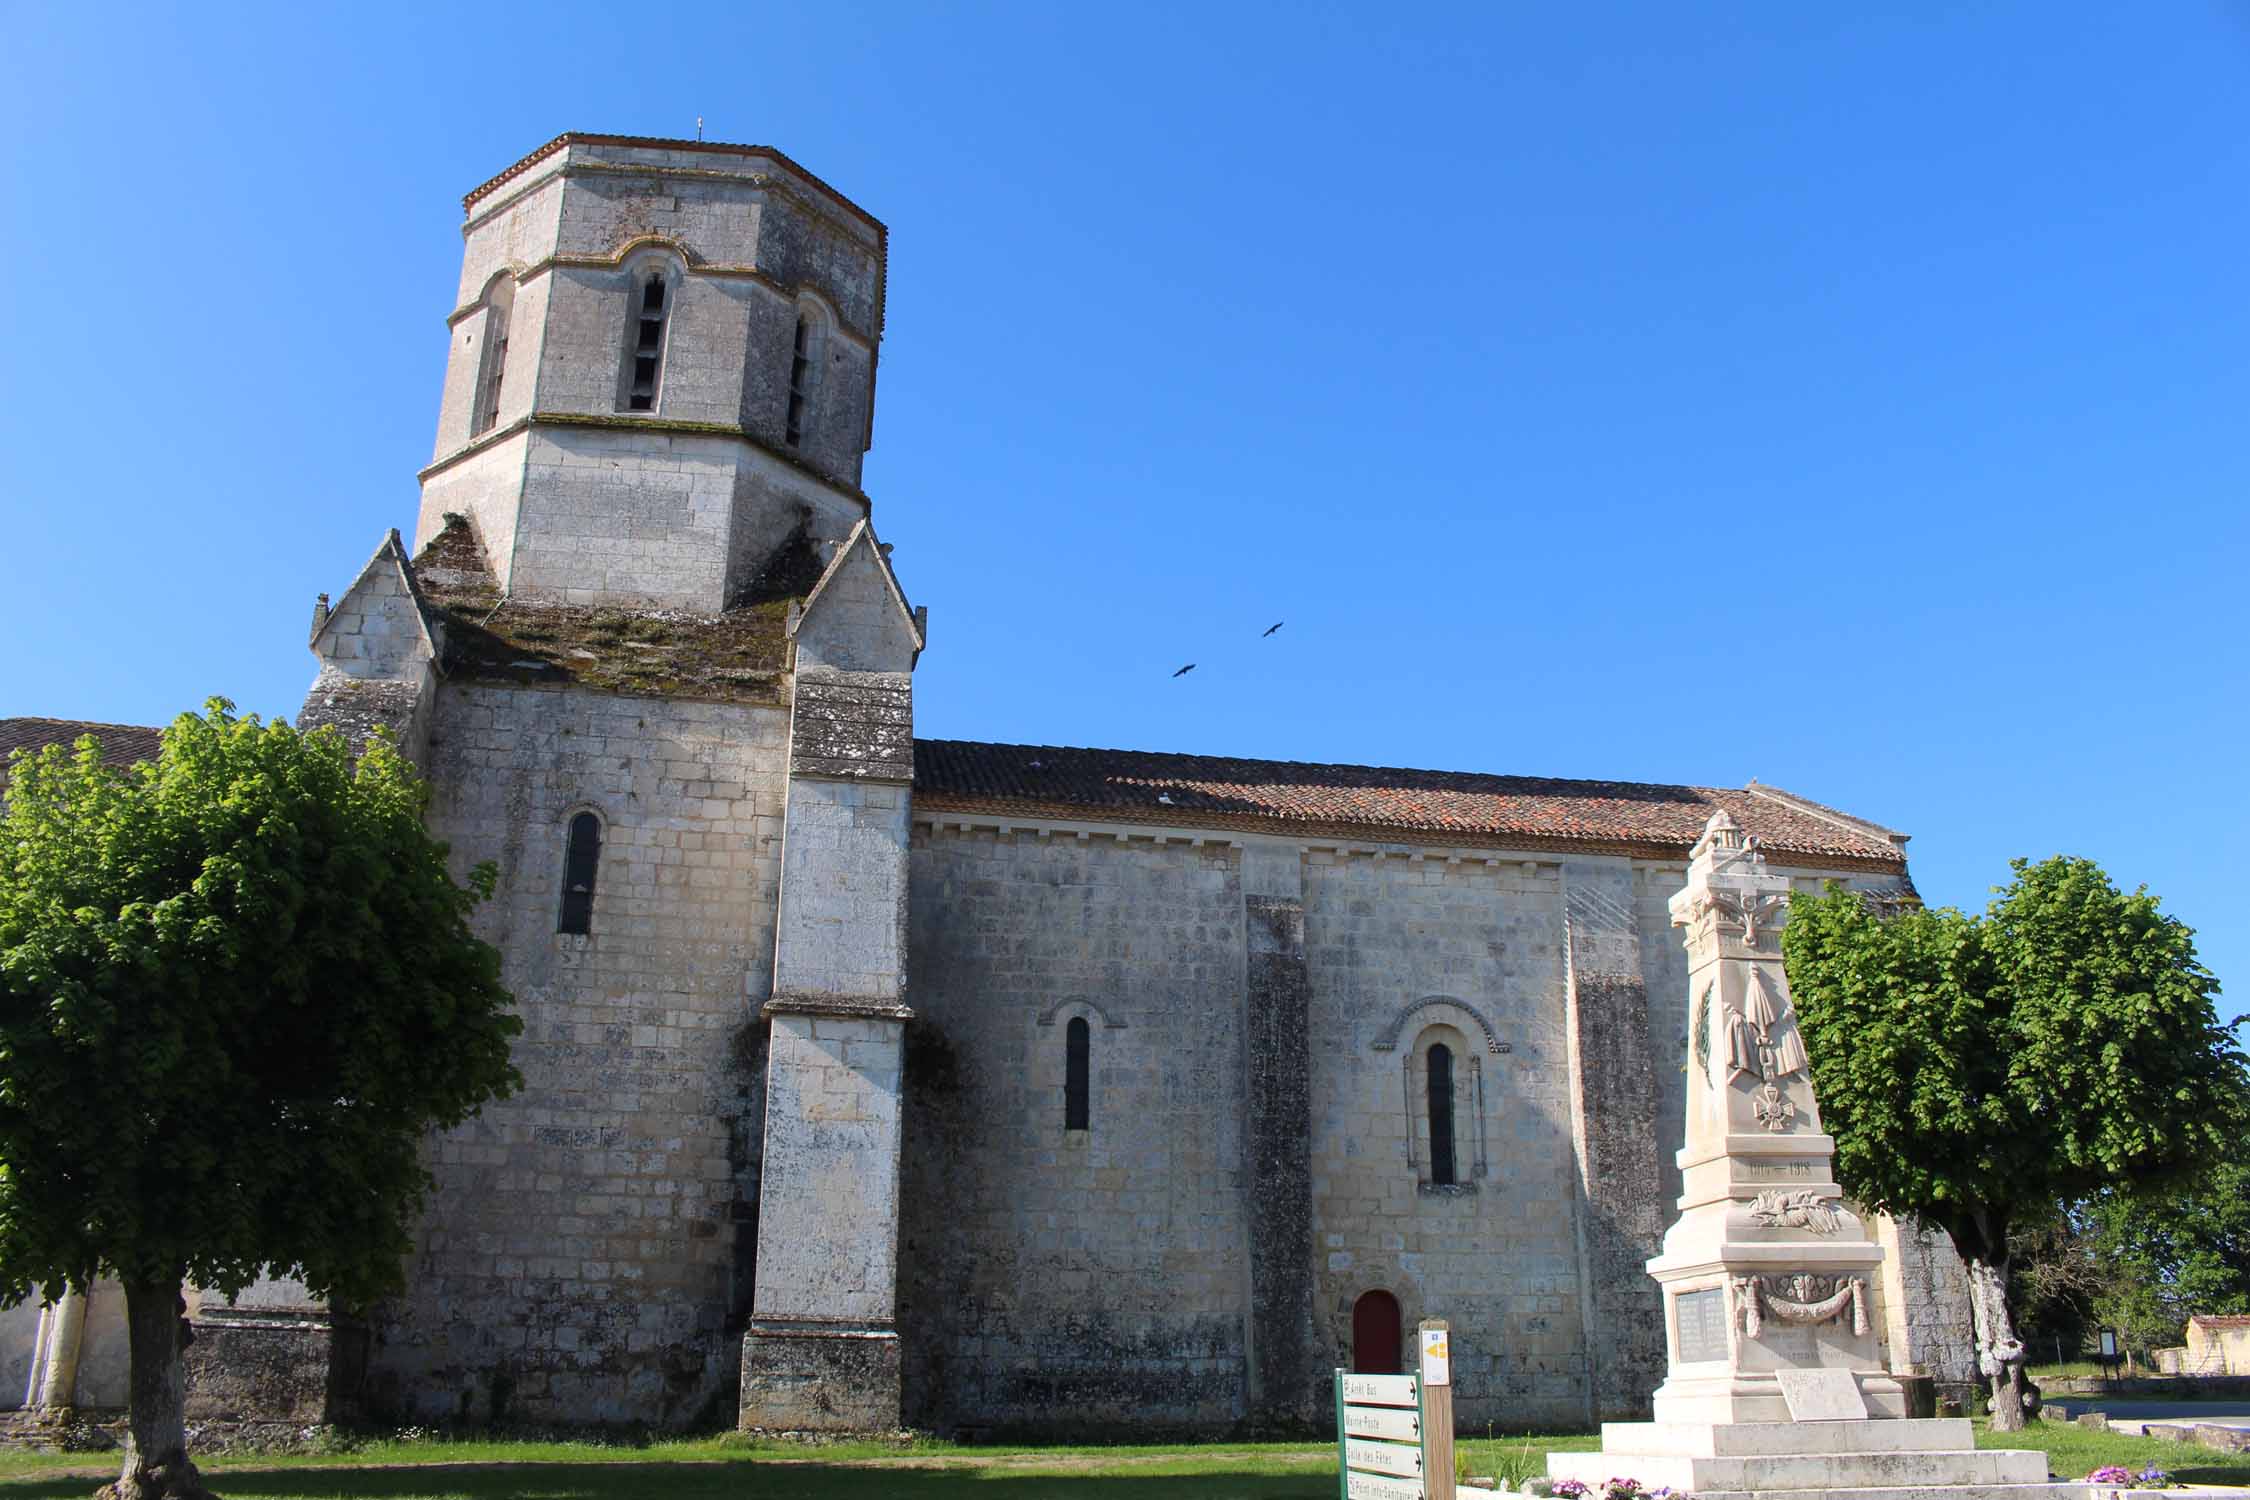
1846,397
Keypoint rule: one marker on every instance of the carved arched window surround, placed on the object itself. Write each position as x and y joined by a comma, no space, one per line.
653,277
497,305
1466,1114
1461,1010
1077,1005
645,244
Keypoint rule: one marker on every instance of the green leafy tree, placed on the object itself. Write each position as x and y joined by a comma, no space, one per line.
2173,1254
1976,1071
237,986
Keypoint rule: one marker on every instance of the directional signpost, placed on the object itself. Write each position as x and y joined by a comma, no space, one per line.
1394,1433
1379,1436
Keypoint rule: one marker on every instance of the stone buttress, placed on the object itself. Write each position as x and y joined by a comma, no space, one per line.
822,1349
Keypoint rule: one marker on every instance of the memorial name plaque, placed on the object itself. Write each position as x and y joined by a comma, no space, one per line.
1702,1319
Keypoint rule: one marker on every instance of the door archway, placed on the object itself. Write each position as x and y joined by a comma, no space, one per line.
1375,1334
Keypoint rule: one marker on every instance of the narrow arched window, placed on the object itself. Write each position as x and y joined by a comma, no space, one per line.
800,382
1441,1115
647,342
582,857
1077,1045
492,371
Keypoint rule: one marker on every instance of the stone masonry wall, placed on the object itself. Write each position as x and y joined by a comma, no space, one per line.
623,517
1394,945
1921,1310
487,487
1055,1279
578,1261
589,515
520,233
1031,1264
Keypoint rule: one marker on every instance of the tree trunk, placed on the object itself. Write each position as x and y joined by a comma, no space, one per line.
2000,1354
156,1459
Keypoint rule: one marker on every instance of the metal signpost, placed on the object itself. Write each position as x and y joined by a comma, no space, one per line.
1394,1433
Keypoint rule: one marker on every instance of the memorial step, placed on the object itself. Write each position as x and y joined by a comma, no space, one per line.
1749,1439
1800,1472
2051,1490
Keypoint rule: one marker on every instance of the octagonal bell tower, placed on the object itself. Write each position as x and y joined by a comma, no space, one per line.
661,365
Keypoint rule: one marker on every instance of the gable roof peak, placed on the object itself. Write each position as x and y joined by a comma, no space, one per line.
862,536
389,553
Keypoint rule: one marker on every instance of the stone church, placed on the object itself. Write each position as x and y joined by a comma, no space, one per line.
973,1087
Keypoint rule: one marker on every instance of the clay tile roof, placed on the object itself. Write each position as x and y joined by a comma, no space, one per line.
122,744
2220,1320
1382,803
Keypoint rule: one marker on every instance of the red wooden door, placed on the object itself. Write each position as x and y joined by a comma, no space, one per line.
1375,1334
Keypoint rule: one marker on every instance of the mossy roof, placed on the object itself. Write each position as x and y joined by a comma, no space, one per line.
736,656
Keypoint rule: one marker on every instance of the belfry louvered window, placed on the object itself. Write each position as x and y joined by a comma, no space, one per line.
582,857
494,368
1441,1116
647,352
1077,1067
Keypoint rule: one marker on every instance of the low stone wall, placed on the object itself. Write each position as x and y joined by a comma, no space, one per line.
2156,1387
282,1369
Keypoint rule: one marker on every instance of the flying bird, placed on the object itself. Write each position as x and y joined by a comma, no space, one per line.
1270,629
1185,670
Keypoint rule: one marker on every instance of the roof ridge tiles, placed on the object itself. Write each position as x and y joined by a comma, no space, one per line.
1660,819
1324,765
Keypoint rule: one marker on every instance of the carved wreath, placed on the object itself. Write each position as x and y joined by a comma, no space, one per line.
1702,1028
1799,1299
1803,1208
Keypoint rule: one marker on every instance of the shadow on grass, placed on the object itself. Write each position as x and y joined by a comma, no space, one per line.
725,1481
2235,1475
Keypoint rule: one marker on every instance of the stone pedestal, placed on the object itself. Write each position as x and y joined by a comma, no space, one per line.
1837,1460
1774,1381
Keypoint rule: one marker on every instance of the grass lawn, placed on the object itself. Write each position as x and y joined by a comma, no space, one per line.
2074,1452
433,1470
709,1469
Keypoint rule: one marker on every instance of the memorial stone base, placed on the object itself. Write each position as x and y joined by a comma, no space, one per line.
1872,1459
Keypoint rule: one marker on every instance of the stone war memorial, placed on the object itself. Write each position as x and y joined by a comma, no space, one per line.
874,1080
1775,1382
